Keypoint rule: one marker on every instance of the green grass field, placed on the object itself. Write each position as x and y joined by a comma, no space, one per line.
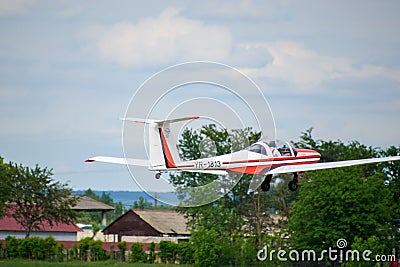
28,263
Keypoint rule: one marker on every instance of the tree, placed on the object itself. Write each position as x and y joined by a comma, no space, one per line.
142,203
5,186
372,244
211,248
234,216
185,252
350,203
338,204
95,230
336,150
392,172
37,198
89,193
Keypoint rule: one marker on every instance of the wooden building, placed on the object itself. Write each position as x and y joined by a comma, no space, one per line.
86,203
146,226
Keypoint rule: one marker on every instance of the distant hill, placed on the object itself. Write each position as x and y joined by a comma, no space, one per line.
128,197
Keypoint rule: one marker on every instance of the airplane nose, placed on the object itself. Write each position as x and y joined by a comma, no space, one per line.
315,154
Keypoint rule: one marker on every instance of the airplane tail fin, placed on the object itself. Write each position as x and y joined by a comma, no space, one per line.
163,152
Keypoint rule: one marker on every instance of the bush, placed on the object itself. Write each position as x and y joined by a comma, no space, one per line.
12,247
168,251
34,248
74,252
60,252
210,248
92,250
185,253
2,250
373,244
122,248
84,245
138,254
243,251
97,251
50,247
152,253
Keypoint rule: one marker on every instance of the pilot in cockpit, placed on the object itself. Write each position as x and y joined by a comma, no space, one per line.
285,151
280,151
274,150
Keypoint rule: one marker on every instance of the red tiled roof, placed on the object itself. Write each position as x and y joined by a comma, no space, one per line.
8,223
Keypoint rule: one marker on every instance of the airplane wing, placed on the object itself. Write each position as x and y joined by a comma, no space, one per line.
136,162
328,165
145,163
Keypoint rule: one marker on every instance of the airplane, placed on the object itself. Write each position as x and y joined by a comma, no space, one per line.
260,158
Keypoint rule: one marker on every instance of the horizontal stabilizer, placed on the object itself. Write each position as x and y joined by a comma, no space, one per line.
161,122
136,162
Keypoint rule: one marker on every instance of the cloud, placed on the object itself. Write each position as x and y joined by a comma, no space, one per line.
166,39
241,11
307,70
228,9
71,11
14,7
57,113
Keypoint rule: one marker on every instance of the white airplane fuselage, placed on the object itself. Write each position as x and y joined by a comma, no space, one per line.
245,161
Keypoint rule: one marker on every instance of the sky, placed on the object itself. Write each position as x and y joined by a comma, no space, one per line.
68,70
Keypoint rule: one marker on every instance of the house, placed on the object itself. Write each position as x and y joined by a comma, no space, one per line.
60,231
146,226
86,203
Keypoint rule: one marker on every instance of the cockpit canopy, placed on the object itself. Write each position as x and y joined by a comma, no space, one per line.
258,148
276,148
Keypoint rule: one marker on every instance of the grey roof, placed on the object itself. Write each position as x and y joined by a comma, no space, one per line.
89,204
164,221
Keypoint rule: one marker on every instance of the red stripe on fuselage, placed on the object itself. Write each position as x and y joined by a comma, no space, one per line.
271,159
169,160
249,169
262,168
305,150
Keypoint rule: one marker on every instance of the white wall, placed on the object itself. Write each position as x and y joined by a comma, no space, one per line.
149,239
89,233
59,236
